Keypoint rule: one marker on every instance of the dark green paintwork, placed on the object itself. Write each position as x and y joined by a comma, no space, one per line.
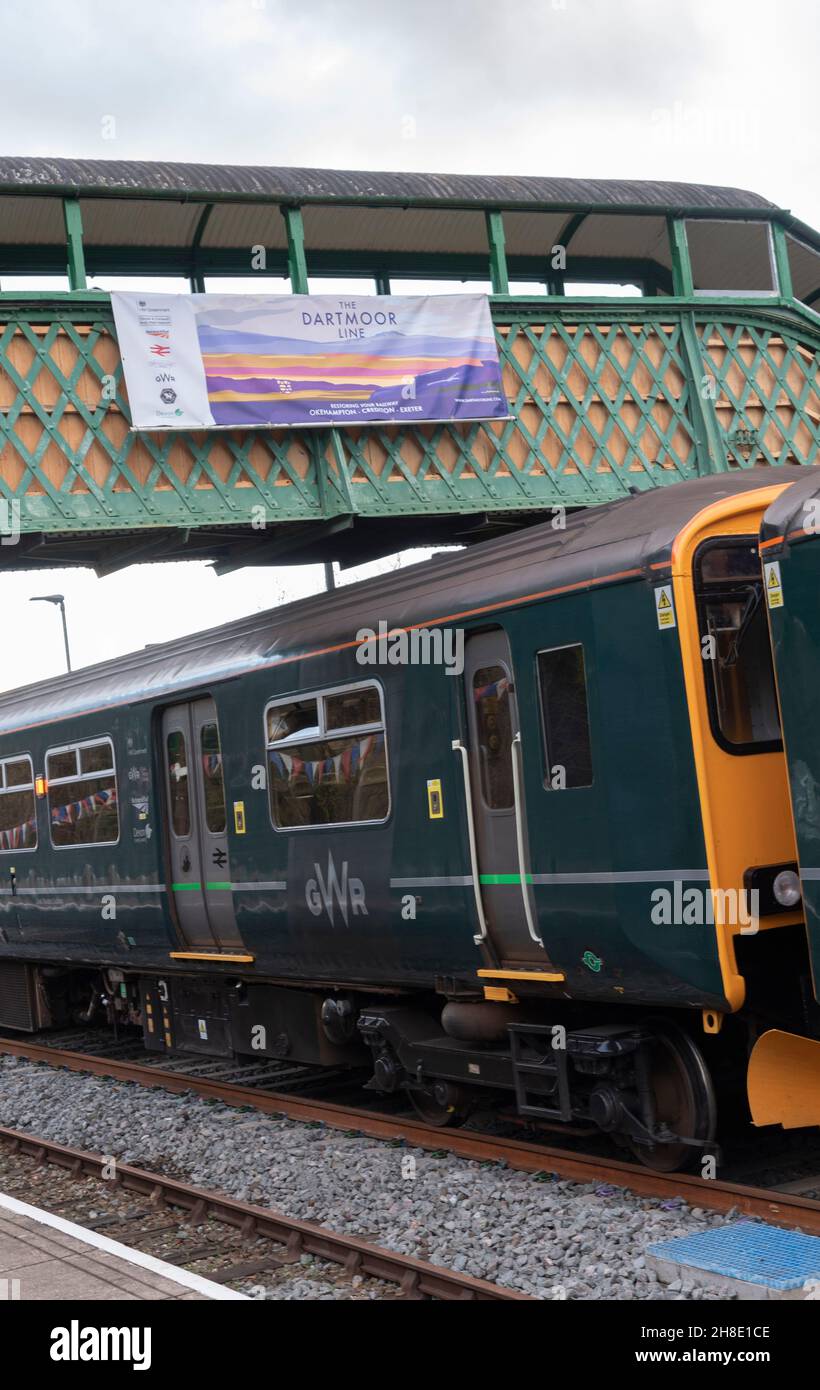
640,814
795,630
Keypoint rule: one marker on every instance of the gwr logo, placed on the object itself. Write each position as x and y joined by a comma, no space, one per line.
321,891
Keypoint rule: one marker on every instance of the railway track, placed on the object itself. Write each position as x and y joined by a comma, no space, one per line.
246,1241
778,1205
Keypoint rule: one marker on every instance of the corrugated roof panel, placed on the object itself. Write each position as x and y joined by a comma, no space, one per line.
31,222
643,237
134,177
110,222
245,224
394,229
532,233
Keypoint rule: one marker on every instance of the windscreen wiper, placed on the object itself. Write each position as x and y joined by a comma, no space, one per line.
752,605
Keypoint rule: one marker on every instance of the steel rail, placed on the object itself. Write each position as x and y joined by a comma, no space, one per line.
780,1208
416,1278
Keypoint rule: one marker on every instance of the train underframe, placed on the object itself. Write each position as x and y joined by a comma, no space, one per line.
647,1079
650,1079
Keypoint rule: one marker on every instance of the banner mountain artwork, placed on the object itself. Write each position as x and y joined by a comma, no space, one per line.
384,375
227,361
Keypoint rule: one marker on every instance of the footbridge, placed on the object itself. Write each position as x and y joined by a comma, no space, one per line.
648,332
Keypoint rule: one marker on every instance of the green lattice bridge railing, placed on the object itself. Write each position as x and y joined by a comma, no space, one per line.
606,395
602,400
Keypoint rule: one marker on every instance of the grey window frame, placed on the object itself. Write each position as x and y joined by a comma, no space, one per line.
79,777
321,732
6,791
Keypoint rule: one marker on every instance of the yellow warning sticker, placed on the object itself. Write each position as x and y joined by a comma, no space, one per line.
665,606
239,817
774,588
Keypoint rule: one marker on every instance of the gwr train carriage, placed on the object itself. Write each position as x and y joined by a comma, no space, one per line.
526,878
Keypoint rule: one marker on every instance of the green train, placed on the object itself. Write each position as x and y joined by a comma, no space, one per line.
515,824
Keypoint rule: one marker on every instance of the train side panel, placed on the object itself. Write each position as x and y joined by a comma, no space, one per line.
89,900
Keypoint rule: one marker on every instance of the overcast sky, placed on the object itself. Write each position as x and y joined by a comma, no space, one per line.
712,91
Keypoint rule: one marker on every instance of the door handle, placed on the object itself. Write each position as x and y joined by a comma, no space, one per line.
515,754
458,747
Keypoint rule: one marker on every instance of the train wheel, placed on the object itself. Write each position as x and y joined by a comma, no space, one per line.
683,1096
441,1104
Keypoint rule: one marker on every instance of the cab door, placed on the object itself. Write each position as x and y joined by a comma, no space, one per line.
790,554
198,849
499,811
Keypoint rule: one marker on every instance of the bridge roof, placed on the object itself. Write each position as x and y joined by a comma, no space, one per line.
150,211
103,178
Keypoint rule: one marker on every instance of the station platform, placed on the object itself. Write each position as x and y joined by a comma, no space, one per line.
44,1257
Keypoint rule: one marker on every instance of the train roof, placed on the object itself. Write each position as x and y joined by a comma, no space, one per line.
786,518
611,543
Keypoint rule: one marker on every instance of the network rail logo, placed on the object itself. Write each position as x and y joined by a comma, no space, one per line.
417,646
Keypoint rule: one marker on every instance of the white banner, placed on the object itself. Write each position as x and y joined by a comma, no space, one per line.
195,361
161,358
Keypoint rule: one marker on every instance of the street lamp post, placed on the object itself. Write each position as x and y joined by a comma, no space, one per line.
59,601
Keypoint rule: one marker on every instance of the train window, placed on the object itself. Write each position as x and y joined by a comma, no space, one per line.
18,812
17,773
565,717
724,563
215,814
331,768
178,785
82,794
738,667
491,693
296,717
62,764
353,709
95,758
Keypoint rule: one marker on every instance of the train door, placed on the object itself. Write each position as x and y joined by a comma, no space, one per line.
499,812
197,827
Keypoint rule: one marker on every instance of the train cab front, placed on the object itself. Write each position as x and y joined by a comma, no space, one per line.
784,1069
759,776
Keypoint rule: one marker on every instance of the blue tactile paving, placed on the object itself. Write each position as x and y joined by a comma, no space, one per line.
750,1251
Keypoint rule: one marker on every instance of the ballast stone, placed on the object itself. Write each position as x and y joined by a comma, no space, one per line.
506,1223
